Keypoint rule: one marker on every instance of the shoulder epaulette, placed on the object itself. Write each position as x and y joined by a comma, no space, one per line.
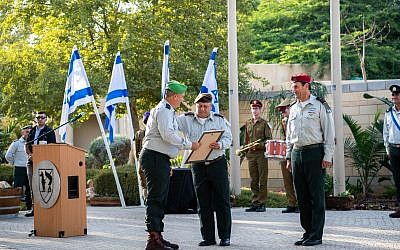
389,109
326,105
189,113
219,115
16,140
291,104
167,106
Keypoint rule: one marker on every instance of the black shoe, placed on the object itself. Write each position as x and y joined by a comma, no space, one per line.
30,214
260,208
395,214
300,242
311,242
169,244
290,209
252,208
225,242
207,243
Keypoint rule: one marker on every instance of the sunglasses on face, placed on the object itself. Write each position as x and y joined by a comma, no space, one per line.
41,117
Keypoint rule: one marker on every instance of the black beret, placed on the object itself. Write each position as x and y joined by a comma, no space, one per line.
203,97
256,103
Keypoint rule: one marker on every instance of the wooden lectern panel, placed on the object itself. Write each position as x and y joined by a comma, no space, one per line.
67,217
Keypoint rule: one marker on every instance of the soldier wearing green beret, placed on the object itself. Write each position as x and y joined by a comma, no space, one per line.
162,142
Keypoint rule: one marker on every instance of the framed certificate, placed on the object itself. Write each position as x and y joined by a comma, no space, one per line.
201,154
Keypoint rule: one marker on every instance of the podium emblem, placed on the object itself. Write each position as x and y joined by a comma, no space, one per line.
46,184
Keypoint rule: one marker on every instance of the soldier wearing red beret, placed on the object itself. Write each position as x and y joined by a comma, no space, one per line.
257,129
310,148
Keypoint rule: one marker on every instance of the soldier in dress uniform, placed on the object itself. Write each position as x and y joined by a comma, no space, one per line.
284,108
257,129
161,142
310,149
391,138
210,177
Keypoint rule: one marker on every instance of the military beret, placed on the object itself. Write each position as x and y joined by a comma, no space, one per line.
203,97
255,103
302,77
176,87
394,88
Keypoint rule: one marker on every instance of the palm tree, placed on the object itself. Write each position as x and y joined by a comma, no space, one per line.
366,149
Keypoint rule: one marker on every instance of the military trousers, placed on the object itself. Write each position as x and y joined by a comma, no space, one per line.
156,168
21,180
212,189
309,181
288,184
258,169
394,157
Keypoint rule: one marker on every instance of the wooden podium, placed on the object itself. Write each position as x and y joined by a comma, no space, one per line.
67,217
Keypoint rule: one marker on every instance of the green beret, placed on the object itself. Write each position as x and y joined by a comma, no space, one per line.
176,87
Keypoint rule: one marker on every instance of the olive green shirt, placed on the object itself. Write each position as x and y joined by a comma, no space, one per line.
258,130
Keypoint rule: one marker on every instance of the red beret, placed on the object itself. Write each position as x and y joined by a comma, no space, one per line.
256,103
302,77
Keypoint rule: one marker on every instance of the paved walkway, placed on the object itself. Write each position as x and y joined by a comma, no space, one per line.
117,228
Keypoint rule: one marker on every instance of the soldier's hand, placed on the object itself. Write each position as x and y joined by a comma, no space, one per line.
326,164
289,165
214,145
195,145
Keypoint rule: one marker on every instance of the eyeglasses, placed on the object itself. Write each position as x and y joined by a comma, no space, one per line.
41,117
395,94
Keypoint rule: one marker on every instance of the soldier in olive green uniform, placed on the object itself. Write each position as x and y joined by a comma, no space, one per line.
310,148
284,108
257,129
161,142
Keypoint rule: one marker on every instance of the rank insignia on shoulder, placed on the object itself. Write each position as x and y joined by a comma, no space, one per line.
189,113
326,105
167,106
219,115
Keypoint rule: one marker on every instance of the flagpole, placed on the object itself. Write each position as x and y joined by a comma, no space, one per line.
103,134
133,146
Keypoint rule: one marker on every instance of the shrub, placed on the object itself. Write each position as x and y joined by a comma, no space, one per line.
91,173
6,173
104,184
97,156
274,199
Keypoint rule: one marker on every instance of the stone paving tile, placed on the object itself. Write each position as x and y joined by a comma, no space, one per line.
117,228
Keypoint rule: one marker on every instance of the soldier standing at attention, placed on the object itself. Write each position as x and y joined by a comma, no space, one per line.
257,129
310,149
161,142
391,138
284,108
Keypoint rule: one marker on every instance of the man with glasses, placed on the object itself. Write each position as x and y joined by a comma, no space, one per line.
391,138
39,134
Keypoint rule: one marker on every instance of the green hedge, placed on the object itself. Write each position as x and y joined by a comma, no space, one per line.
97,156
274,199
6,173
104,184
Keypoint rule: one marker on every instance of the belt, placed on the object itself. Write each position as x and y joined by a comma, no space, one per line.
393,145
214,160
311,146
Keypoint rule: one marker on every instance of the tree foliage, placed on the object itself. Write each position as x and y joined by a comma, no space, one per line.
298,31
36,39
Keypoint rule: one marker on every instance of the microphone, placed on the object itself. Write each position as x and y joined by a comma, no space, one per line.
77,117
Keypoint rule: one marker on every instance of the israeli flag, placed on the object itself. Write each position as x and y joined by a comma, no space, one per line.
165,69
210,81
117,93
77,90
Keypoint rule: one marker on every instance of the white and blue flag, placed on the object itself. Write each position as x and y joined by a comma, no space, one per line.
77,90
165,69
210,82
117,93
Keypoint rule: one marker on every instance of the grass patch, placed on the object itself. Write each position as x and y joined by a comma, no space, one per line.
274,199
